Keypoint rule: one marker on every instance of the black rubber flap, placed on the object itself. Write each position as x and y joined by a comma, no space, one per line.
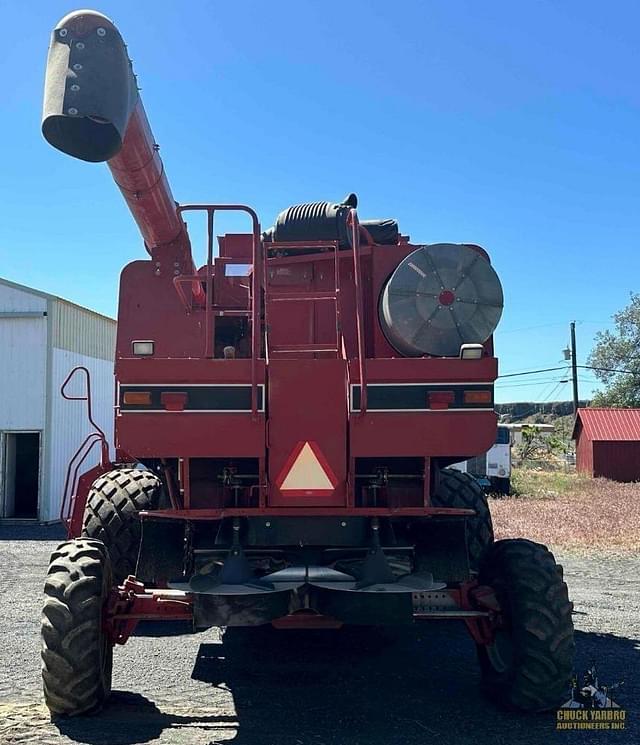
90,89
383,232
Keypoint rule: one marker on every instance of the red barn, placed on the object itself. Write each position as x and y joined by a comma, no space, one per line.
608,443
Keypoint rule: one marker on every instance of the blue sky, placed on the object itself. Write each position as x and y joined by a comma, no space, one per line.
509,124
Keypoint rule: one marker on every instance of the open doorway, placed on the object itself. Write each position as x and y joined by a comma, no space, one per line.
21,474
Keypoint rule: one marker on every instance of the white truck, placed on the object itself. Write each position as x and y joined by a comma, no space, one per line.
493,468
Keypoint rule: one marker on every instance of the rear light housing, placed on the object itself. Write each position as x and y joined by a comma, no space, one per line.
441,399
142,348
136,398
478,397
471,352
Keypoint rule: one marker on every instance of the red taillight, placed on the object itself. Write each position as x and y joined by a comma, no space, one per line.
174,400
441,399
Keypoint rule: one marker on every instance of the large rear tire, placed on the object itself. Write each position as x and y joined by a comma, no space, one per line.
529,663
461,490
76,654
111,514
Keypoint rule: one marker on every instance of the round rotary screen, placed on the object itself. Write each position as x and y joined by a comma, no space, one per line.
440,297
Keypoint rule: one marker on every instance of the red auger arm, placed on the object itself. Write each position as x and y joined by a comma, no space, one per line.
93,111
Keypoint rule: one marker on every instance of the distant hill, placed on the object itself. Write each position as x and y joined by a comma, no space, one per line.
534,411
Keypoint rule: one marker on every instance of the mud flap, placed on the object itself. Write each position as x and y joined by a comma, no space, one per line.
362,607
240,610
161,553
441,548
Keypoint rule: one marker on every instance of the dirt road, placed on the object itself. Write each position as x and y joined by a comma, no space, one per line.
263,687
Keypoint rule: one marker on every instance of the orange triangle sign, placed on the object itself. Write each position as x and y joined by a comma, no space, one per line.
307,472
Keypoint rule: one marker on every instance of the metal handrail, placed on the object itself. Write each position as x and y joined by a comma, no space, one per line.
98,435
294,246
71,483
87,398
352,222
258,278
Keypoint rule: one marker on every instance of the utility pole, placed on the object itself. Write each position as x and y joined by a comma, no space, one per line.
574,367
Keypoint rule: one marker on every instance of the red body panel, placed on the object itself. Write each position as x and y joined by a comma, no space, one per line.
307,402
310,306
306,369
428,434
190,435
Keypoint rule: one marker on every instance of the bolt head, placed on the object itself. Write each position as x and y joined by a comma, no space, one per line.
101,32
63,32
75,87
77,66
72,111
80,45
267,524
343,524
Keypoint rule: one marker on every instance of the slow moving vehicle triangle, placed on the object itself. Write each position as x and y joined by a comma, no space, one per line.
307,472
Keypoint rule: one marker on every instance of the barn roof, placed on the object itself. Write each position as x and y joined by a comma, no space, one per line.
609,424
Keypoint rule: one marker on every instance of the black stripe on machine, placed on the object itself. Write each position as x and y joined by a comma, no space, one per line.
199,398
418,396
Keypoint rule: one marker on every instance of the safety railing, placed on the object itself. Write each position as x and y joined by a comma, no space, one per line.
354,226
293,249
81,454
257,281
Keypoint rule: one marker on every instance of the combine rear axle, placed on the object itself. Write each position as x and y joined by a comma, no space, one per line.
131,603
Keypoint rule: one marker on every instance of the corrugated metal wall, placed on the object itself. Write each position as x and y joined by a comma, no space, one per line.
23,359
23,344
83,331
584,451
78,337
617,460
37,352
68,420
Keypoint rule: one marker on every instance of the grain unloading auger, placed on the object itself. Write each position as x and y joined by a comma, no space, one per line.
285,416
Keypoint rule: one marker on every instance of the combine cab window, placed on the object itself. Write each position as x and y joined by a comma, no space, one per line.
502,438
238,270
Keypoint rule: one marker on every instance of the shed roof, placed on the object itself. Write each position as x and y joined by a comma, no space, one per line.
609,424
49,296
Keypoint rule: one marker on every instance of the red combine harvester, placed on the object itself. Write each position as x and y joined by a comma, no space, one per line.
285,415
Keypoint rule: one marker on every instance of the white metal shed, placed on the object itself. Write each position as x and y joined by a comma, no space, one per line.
42,337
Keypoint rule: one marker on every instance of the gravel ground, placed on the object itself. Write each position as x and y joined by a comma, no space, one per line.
348,687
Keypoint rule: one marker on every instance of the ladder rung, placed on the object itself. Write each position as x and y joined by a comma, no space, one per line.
231,312
280,296
284,348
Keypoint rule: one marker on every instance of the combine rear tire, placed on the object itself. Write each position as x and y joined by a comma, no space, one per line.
458,489
76,654
529,663
111,514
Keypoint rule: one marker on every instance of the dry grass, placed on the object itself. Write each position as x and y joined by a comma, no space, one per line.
570,511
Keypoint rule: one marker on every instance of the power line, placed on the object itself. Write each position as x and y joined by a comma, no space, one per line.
532,372
532,384
581,367
609,369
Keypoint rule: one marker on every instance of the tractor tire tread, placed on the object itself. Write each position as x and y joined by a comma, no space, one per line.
111,514
542,625
73,676
461,490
